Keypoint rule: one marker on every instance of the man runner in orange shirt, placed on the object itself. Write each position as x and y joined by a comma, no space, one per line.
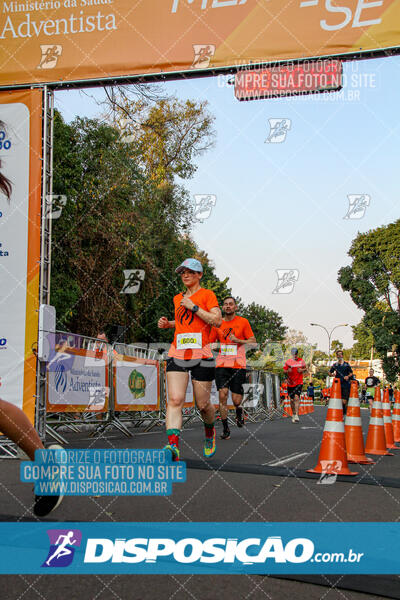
196,311
234,335
294,369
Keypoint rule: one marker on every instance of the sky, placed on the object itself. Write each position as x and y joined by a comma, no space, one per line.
281,205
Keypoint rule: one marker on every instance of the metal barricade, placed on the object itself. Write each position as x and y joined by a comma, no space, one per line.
136,351
260,401
128,411
76,365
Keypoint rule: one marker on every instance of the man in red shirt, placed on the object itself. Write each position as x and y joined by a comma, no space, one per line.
294,369
234,335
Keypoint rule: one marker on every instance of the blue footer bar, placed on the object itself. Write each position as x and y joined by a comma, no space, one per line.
195,548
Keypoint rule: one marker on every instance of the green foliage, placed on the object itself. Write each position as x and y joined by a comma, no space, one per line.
321,373
335,346
318,355
266,323
373,280
167,135
364,342
115,219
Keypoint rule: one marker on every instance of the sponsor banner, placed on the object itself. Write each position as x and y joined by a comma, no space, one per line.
199,548
136,384
20,156
77,381
78,40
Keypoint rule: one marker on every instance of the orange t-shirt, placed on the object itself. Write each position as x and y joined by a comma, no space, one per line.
192,334
232,355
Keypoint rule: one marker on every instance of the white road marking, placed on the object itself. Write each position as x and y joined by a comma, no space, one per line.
285,459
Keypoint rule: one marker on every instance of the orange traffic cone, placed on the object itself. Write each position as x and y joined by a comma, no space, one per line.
387,420
376,441
301,406
353,429
396,416
287,409
332,455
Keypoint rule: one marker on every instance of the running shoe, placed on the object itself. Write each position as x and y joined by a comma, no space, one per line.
293,419
225,435
210,446
296,419
174,451
240,421
44,505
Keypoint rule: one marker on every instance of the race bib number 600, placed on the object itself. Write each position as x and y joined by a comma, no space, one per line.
185,341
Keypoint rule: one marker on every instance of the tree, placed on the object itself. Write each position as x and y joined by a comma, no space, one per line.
364,341
319,356
167,135
114,220
266,323
295,338
91,238
335,346
321,373
373,280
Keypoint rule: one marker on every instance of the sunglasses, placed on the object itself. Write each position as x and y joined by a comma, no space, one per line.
188,271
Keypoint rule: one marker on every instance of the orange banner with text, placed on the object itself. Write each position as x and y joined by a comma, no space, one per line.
20,156
78,40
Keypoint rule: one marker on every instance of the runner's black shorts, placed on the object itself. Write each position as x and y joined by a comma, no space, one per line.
201,369
233,379
345,391
295,391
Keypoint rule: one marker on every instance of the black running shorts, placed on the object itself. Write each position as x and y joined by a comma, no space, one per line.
201,369
233,379
295,391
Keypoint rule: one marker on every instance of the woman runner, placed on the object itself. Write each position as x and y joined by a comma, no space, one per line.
196,312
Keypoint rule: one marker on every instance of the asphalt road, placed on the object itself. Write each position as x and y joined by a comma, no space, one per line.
257,475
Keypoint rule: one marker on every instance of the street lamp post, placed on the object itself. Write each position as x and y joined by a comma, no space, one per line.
329,334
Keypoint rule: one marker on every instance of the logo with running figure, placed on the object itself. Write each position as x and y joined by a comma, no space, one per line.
278,129
329,472
62,547
358,204
203,205
54,206
203,54
133,281
252,394
286,281
50,56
